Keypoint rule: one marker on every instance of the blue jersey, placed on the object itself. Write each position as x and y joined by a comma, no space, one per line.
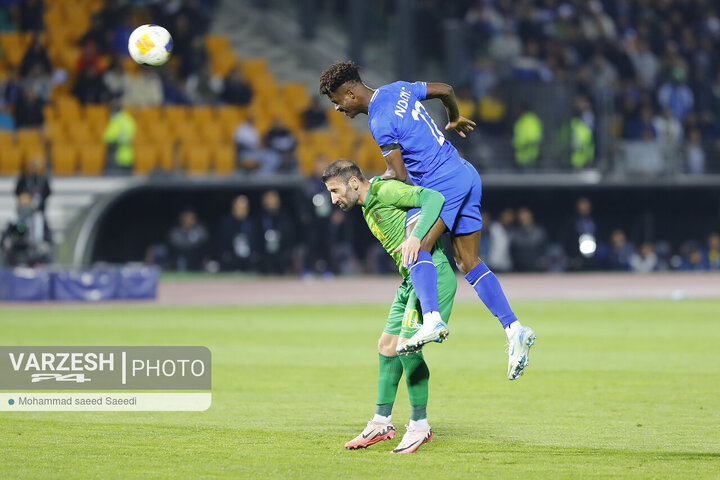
398,119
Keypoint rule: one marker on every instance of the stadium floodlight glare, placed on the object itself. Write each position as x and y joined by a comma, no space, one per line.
587,245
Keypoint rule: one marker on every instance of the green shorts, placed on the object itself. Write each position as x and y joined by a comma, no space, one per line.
405,310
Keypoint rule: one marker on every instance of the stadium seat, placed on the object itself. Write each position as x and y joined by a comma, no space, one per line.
92,159
6,139
223,158
213,133
64,159
166,156
176,114
10,160
146,156
202,115
196,159
28,136
98,115
54,131
68,108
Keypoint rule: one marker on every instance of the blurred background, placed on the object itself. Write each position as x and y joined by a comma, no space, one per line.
598,135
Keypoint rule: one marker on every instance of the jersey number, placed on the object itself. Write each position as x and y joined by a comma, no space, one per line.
420,112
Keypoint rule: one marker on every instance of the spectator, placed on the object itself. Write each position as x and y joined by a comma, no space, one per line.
10,88
182,37
616,256
644,261
144,90
29,109
39,82
277,232
7,123
89,87
317,225
35,56
643,127
646,63
506,45
314,116
693,260
235,91
694,154
173,89
89,58
115,79
281,140
712,252
491,112
121,34
31,15
527,136
669,129
98,34
603,74
250,154
194,59
237,240
581,237
27,240
528,243
676,95
202,87
188,242
119,135
499,258
34,181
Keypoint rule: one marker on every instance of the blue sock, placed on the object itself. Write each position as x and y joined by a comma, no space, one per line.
423,276
490,292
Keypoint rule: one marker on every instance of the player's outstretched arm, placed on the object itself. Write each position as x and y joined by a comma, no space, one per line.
446,94
395,166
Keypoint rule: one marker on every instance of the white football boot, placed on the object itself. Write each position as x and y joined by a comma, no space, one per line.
518,350
433,329
412,440
374,432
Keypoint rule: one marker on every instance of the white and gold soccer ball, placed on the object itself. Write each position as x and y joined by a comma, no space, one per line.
150,45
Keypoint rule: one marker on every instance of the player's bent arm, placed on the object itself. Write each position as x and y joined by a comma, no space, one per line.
430,203
395,166
446,94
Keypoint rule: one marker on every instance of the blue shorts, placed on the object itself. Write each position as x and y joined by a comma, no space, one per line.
462,190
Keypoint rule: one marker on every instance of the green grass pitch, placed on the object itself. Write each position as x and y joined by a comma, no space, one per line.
616,389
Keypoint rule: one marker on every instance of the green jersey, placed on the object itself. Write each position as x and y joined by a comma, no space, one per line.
385,210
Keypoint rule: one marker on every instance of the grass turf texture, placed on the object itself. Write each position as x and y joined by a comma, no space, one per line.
614,390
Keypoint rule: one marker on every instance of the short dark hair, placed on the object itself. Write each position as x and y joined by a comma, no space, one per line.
344,169
337,74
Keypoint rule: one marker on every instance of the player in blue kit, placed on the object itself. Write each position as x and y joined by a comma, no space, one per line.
413,146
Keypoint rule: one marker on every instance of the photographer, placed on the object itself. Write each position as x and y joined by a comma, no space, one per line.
27,240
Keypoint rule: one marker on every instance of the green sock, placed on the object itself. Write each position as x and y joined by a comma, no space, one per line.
389,373
416,377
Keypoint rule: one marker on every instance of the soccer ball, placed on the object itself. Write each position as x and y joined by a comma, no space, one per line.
150,45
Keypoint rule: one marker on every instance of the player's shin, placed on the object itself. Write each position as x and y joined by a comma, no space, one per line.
389,374
417,376
488,288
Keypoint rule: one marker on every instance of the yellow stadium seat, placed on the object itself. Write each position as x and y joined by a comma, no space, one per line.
148,115
176,114
49,113
54,131
6,138
223,158
213,133
28,136
64,158
187,132
166,156
92,159
146,156
31,150
10,160
196,159
217,44
97,114
68,108
202,115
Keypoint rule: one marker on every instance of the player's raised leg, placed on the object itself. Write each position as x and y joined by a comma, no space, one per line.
487,287
389,373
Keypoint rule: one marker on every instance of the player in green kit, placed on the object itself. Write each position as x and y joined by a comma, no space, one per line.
390,209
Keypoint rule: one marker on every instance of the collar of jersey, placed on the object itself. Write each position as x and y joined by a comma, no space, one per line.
373,97
369,190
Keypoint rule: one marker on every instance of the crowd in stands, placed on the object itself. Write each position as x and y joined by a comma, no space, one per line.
653,63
